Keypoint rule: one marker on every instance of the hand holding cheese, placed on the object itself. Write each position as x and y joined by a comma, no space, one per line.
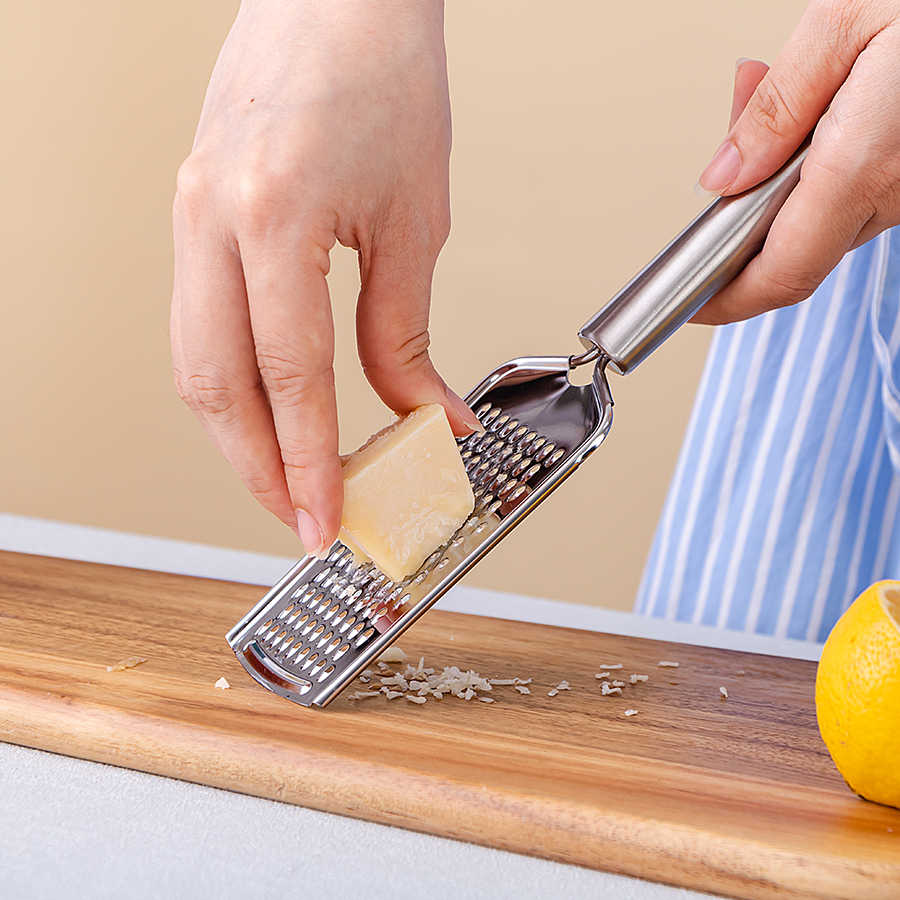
323,122
405,493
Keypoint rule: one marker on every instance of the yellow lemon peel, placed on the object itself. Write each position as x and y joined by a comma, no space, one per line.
858,694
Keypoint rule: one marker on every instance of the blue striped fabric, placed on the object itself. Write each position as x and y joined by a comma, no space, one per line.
784,503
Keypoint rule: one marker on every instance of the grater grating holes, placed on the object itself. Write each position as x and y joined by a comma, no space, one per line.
556,457
336,611
324,640
488,418
329,671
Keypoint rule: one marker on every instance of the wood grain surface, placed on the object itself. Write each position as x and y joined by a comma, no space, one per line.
735,796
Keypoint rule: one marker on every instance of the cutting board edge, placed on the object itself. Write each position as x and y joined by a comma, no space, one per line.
544,827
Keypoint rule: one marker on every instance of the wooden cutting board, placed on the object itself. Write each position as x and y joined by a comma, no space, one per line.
736,796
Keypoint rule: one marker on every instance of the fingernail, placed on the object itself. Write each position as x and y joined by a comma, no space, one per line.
739,63
723,168
703,194
466,414
310,533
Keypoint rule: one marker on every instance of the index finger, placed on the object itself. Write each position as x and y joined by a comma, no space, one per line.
293,333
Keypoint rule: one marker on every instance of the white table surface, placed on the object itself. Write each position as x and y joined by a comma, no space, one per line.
75,829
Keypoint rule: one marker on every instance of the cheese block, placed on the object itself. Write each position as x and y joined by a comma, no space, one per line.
405,492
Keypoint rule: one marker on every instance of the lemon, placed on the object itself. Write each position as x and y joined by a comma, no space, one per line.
858,694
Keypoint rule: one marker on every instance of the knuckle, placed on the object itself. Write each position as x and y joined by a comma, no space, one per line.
208,393
290,381
255,186
301,465
259,192
402,354
193,182
772,111
413,352
268,488
785,288
181,384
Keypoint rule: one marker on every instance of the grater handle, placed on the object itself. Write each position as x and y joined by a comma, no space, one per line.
709,254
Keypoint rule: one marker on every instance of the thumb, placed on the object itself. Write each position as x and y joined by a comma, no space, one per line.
785,106
392,329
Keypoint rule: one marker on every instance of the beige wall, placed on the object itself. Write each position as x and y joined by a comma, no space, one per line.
579,131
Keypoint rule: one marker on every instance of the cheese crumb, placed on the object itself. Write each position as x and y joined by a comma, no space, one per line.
392,655
223,684
418,682
129,663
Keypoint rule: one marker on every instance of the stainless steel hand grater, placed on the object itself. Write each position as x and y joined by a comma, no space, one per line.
327,620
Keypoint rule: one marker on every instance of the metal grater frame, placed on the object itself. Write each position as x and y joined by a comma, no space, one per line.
328,619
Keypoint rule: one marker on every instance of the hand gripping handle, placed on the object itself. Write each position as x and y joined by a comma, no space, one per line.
709,254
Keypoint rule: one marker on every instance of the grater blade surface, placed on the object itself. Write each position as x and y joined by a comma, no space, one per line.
328,619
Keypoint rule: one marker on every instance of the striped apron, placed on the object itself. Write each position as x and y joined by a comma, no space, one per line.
784,502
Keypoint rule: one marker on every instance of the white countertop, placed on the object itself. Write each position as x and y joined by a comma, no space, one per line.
76,829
